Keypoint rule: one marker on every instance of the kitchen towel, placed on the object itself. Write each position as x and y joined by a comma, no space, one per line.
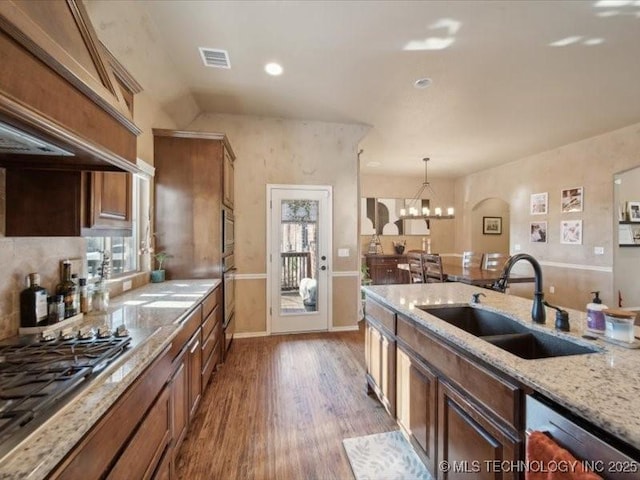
551,460
384,456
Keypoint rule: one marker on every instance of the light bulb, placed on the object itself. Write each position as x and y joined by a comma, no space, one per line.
403,212
450,211
438,211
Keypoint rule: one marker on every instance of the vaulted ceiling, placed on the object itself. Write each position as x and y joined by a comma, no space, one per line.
508,78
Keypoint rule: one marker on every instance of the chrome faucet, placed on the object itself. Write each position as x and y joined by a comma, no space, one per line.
538,314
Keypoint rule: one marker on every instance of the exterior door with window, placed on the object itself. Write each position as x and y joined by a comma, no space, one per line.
298,258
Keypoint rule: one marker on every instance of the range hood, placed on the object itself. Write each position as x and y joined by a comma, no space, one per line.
14,141
62,107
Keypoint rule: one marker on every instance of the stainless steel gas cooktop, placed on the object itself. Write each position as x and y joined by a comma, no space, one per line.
38,377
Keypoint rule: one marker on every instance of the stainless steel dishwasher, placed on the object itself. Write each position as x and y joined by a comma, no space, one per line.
600,452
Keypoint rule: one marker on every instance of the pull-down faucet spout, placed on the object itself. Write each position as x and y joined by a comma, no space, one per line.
538,314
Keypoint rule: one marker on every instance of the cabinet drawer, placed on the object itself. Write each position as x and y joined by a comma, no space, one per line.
210,302
144,451
209,343
393,261
499,397
381,315
210,323
211,363
189,325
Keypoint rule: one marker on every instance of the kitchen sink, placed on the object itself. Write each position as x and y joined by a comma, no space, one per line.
507,334
476,321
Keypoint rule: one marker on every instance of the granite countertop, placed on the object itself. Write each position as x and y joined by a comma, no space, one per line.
154,312
602,387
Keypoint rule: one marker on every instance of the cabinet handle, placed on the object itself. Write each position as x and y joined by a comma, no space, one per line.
197,344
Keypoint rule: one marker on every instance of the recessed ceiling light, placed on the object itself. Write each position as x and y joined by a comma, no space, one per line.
273,69
422,83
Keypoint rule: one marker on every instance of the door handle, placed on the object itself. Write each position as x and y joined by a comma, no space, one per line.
323,268
323,257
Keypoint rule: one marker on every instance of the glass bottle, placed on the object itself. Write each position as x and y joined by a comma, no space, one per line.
85,298
56,309
100,297
33,303
68,290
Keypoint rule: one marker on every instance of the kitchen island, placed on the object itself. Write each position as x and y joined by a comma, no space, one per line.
159,313
469,381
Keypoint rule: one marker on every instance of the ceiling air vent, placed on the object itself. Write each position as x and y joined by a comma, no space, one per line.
215,58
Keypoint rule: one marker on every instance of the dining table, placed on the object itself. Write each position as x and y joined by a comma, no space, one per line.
475,275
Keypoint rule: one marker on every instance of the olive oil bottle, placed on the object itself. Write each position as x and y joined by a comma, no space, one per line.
69,291
33,303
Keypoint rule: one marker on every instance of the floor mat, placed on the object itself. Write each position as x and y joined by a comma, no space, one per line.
384,456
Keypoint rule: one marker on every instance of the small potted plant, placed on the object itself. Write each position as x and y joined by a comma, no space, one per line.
157,275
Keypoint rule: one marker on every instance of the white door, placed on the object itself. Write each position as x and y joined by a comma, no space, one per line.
299,237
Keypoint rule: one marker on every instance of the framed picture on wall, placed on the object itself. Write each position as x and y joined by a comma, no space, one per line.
538,232
571,200
571,232
633,210
492,225
539,203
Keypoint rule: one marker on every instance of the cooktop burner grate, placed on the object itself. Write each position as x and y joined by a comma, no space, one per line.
34,377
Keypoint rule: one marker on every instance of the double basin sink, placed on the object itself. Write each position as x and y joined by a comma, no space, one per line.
506,333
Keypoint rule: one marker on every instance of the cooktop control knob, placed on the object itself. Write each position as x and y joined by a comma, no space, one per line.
104,331
85,333
122,331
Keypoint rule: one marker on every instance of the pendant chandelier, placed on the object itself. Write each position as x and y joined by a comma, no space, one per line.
415,210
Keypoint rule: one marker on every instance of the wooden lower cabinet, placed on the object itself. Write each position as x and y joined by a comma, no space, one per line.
380,357
146,448
194,371
417,399
179,385
383,269
470,442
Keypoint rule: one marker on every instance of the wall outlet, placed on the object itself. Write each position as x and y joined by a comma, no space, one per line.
126,285
343,252
516,247
598,250
552,289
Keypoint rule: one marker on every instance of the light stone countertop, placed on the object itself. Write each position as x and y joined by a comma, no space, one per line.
603,387
153,311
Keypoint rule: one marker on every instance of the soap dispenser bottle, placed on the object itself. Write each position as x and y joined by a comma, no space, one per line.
595,314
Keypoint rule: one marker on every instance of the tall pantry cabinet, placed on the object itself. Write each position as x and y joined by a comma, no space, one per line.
194,211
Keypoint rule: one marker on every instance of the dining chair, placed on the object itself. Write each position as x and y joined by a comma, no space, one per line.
432,267
472,259
494,261
416,273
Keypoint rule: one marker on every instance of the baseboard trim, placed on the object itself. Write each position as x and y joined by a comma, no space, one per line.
348,328
250,334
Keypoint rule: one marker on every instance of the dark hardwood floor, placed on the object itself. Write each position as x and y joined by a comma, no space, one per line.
280,407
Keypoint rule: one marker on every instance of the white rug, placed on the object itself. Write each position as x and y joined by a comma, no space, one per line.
384,456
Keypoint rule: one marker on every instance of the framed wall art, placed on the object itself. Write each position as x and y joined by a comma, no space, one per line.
633,211
538,232
571,200
492,225
571,232
539,203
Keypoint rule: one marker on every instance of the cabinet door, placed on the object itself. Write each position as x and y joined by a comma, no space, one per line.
194,362
417,406
110,200
144,452
179,404
470,442
381,367
227,184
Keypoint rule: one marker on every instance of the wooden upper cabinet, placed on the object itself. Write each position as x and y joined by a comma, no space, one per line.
67,204
227,185
110,197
